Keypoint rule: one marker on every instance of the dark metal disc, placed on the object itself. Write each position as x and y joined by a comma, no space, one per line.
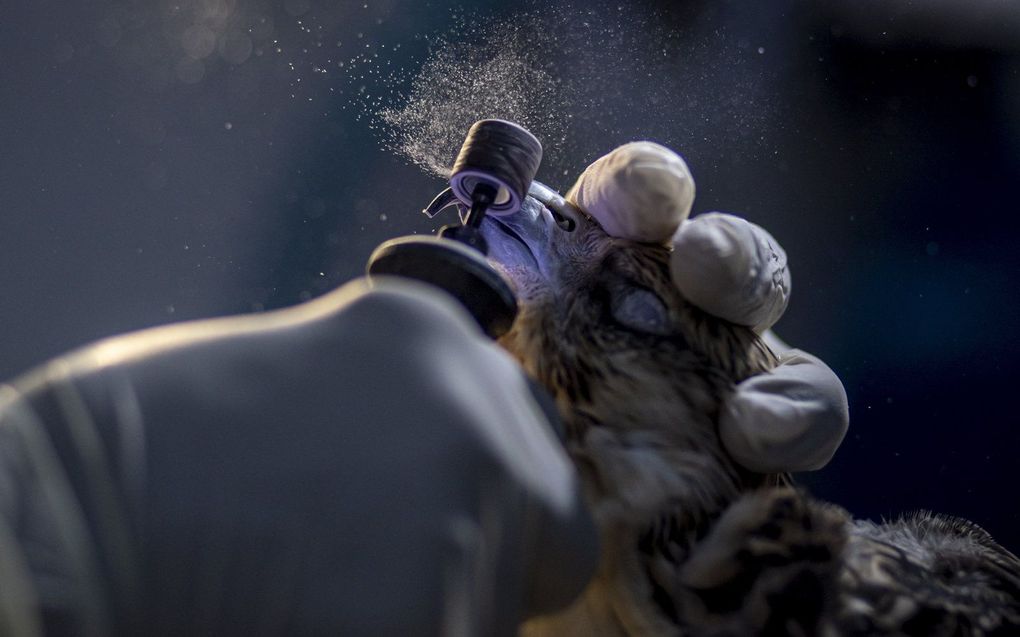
455,268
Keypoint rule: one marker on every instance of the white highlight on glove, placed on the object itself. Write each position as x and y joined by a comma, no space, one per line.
640,191
731,268
792,418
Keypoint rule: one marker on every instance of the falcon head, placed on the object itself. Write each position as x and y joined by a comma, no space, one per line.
637,371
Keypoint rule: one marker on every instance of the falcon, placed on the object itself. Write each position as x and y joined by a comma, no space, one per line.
693,542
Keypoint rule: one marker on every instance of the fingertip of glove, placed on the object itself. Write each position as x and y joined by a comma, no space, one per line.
732,269
640,191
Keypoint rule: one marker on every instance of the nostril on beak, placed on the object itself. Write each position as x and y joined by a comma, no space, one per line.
564,213
565,223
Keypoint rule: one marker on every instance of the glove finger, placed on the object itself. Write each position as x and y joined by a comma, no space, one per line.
731,268
790,419
640,191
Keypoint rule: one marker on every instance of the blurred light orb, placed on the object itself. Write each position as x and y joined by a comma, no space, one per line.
235,47
216,11
198,41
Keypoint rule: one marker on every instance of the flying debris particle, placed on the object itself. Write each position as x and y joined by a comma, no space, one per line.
466,81
623,76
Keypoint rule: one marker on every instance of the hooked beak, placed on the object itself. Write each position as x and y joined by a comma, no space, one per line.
523,241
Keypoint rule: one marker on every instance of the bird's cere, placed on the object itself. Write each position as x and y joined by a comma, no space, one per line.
732,269
641,191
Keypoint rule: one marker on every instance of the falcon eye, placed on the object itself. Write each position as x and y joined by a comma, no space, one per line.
641,310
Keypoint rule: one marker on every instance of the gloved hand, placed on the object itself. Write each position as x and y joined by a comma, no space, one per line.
790,419
368,463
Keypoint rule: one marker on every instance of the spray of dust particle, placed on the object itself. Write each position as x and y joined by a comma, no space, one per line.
583,79
464,82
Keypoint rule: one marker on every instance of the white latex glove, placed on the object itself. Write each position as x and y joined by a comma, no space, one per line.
794,417
641,191
731,268
367,463
789,419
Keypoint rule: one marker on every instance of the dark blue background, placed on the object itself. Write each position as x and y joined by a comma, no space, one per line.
885,162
